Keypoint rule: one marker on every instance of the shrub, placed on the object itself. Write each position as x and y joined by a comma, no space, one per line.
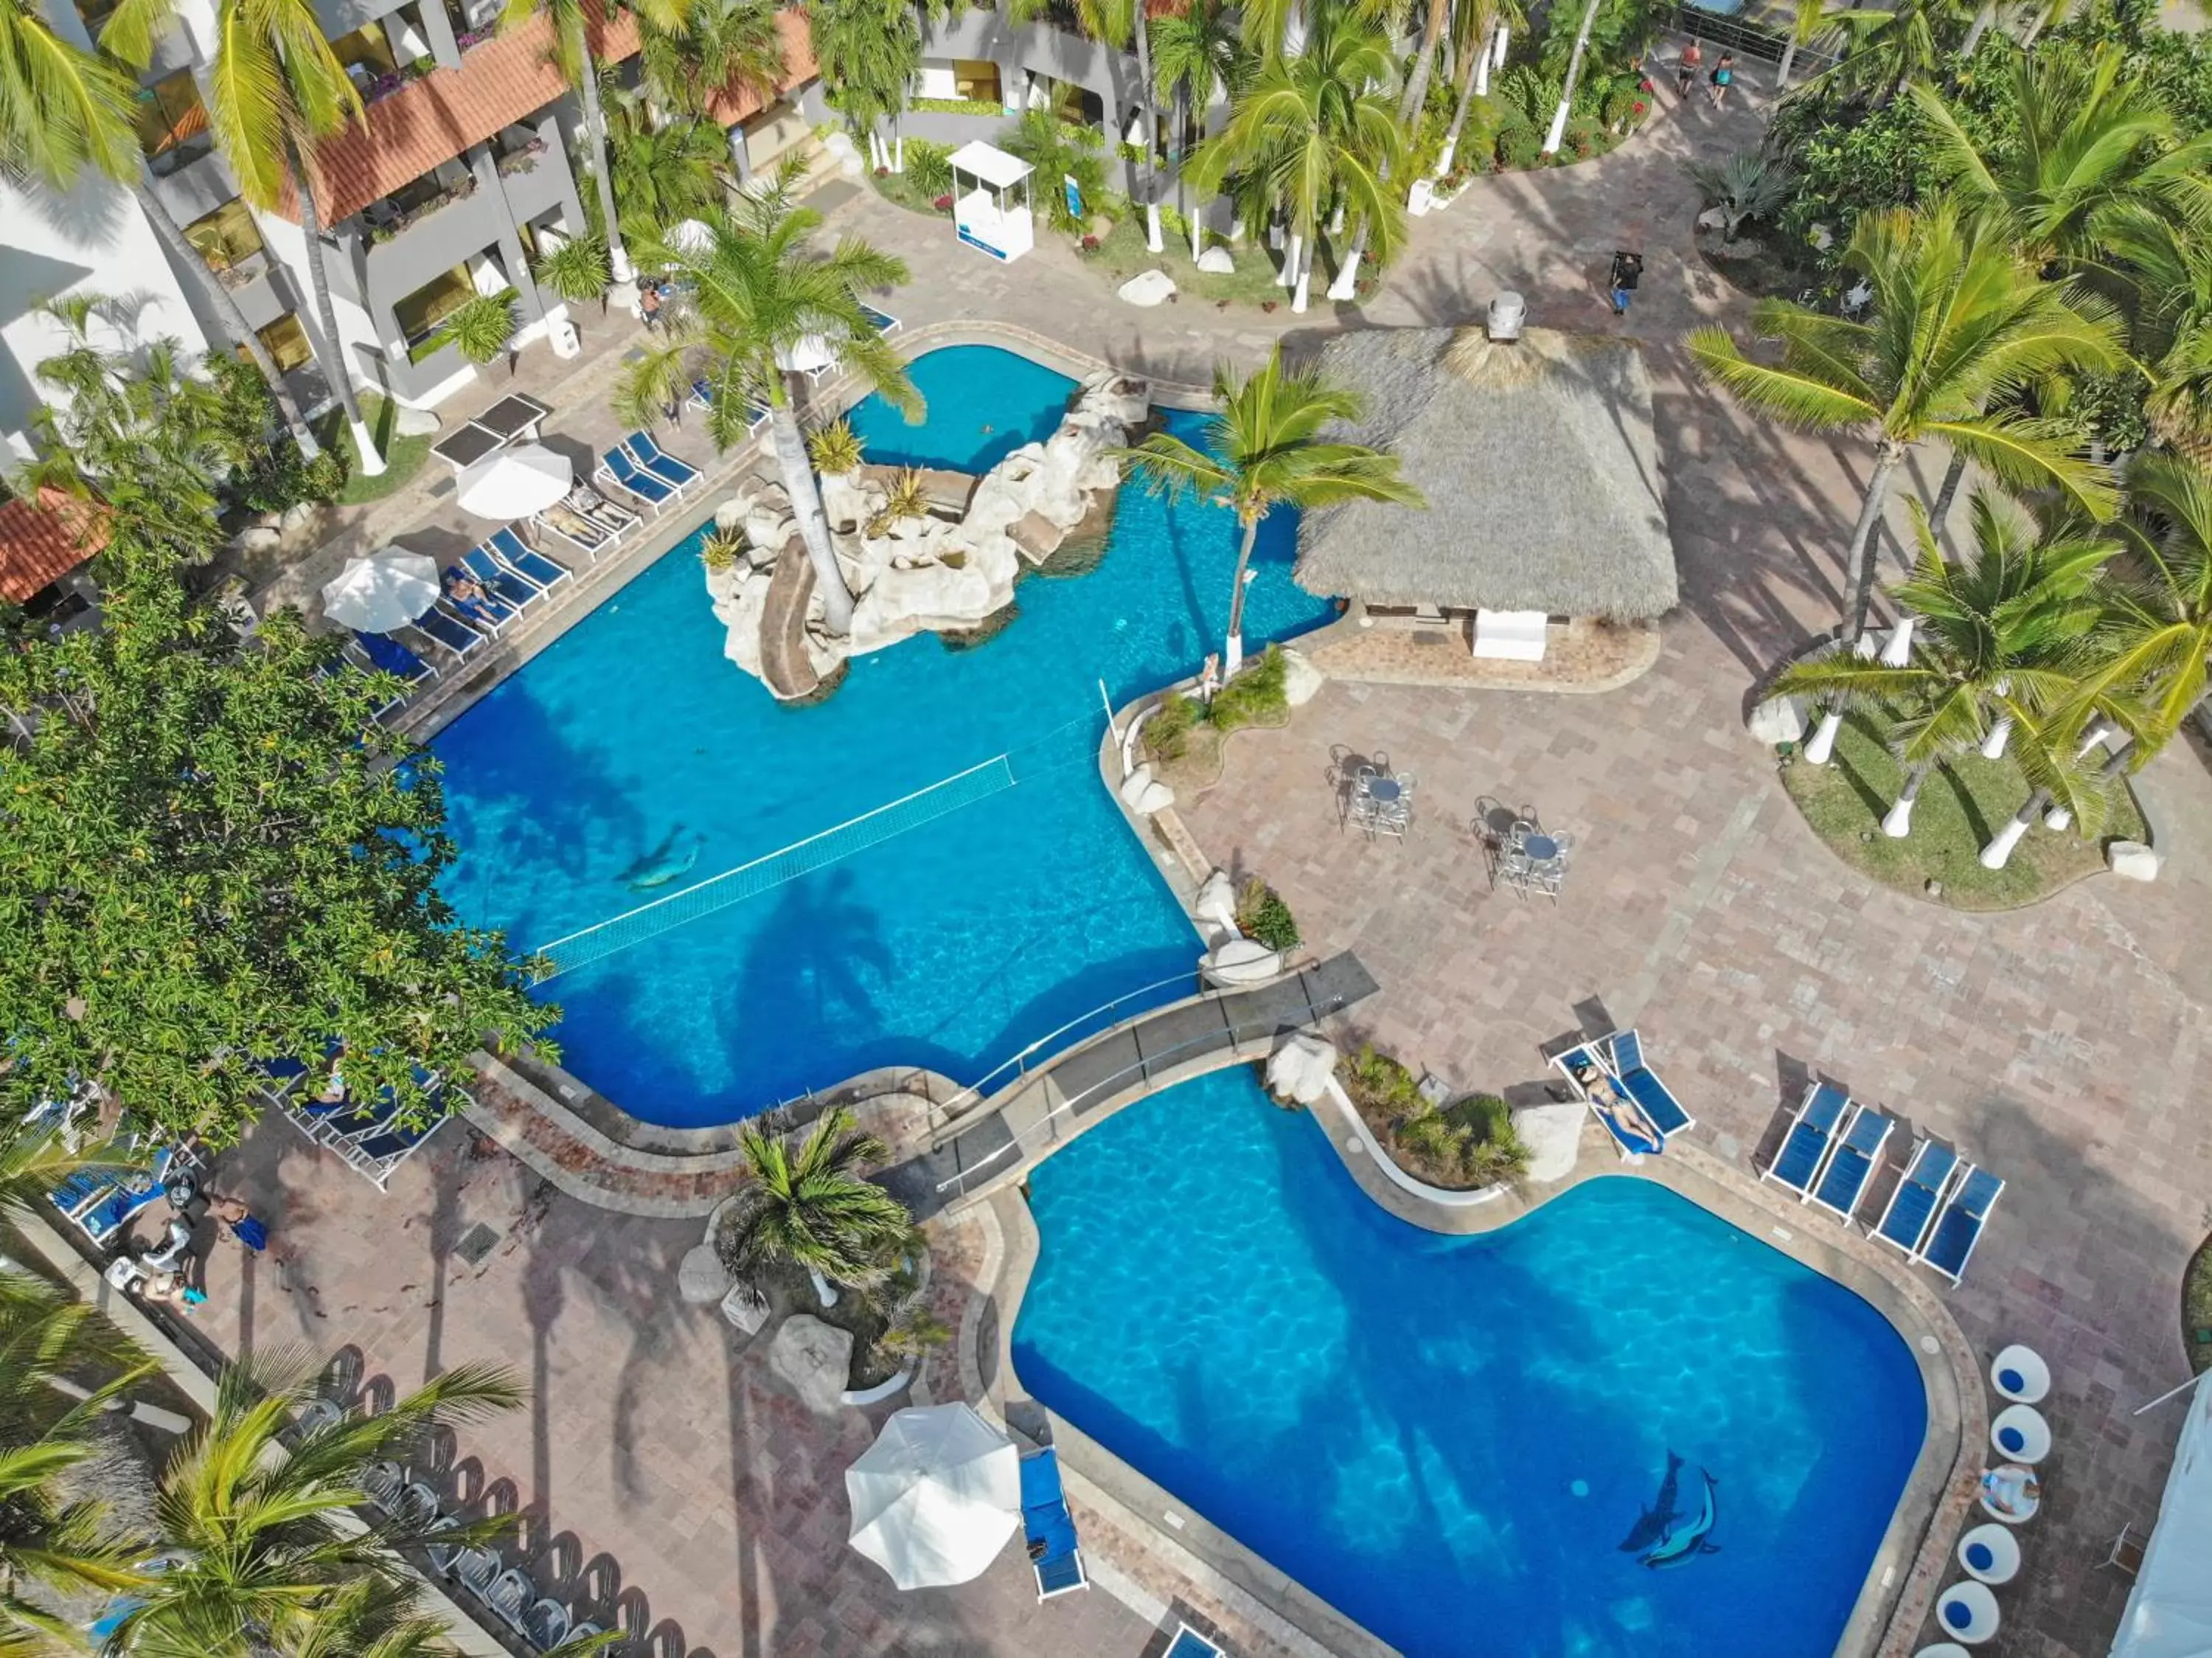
1517,146
720,549
835,447
1379,1083
1471,1142
1089,244
1256,696
1262,915
1167,734
929,167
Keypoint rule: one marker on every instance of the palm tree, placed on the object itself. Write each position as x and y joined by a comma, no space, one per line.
46,1339
1807,22
1887,48
1958,322
2160,267
869,52
724,45
1318,126
2162,619
1197,57
662,175
572,22
761,294
1264,449
276,90
810,1207
2005,638
1484,25
64,109
1059,149
1119,26
260,1554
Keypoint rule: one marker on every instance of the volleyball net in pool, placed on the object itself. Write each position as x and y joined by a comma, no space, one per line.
1057,749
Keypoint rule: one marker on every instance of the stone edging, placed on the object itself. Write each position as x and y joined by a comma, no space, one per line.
1372,1148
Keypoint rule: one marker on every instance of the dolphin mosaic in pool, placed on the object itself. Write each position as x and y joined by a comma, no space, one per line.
1687,1542
663,864
1652,1525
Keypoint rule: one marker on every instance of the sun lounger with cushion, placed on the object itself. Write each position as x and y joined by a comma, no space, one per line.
1959,1227
1628,1139
1045,1520
512,551
1644,1086
498,580
677,474
126,1194
617,469
1811,1136
1859,1148
607,514
1189,1643
388,655
1912,1206
566,525
454,634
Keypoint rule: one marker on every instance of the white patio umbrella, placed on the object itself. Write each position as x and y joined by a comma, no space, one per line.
936,1496
813,351
515,483
382,591
690,236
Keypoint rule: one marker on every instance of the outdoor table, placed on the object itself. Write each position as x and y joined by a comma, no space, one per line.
1384,789
1540,849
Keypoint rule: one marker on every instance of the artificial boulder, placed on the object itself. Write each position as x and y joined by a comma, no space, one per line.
1217,262
1147,288
745,1307
1302,680
1144,794
1299,1070
1553,1134
1215,905
2130,860
701,1277
1241,961
816,1359
413,422
1777,721
840,148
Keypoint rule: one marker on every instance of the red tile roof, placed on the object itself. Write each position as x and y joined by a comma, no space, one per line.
500,82
734,103
43,540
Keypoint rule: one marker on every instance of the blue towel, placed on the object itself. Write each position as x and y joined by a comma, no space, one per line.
251,1232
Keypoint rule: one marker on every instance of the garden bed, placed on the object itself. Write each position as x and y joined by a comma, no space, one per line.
1463,1145
2196,1308
1122,254
1963,804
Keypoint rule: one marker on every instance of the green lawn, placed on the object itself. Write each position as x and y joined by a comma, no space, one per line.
2196,1307
1121,254
403,456
1962,805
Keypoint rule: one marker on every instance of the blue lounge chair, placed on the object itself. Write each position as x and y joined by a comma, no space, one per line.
1912,1206
127,1195
1644,1086
1959,1227
1045,1520
1811,1136
1189,1643
532,566
881,321
616,468
448,632
388,655
82,1190
1628,1138
508,586
703,399
679,475
1859,1148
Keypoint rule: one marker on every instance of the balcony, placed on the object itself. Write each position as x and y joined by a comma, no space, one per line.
387,219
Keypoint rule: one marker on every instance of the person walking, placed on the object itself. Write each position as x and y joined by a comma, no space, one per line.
1627,272
1723,77
1687,67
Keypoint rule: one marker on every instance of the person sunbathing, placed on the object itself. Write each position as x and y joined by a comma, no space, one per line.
1616,1107
466,594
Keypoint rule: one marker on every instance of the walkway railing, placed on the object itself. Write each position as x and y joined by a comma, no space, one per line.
1749,40
1019,1064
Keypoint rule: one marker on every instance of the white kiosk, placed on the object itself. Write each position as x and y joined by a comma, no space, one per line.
991,201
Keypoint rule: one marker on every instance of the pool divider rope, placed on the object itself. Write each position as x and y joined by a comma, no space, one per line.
817,851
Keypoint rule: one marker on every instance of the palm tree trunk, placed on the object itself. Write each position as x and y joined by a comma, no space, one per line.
805,492
1478,62
1983,19
1305,279
1940,513
1559,131
1288,276
1347,277
234,324
1147,178
1998,852
1233,652
1417,82
326,317
1899,823
1866,541
603,171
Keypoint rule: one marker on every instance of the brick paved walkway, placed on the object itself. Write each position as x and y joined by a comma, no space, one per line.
2061,1045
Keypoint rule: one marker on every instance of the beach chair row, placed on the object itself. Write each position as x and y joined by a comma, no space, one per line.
647,474
1639,1113
1828,1157
102,1202
368,1136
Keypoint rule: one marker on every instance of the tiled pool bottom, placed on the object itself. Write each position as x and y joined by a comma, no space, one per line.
952,946
1450,1439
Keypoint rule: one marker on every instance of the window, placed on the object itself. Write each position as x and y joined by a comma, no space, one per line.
975,80
419,314
287,342
226,237
367,46
172,123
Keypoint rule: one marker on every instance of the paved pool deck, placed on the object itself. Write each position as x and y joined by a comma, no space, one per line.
688,1490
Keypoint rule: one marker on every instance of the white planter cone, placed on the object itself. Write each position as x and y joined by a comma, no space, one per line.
1898,653
1348,281
1305,286
364,443
1993,746
618,257
1289,274
1153,242
1998,852
1504,42
1822,743
823,1288
1899,822
1558,132
1444,160
2058,817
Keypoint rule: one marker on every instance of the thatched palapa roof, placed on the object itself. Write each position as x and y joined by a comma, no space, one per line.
1538,461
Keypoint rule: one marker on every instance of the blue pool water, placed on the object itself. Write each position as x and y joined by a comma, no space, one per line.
950,946
1450,1439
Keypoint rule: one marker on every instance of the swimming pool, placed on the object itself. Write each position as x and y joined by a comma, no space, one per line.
1450,1439
950,946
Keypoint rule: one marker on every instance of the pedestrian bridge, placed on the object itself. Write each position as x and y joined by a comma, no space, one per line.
990,1144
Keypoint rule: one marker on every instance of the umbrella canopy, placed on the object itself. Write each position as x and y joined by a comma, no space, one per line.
515,483
386,590
935,1498
690,236
813,351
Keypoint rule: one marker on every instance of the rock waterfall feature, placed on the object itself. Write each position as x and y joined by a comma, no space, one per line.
929,550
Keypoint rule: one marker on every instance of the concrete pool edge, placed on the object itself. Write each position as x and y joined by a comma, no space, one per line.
1908,1567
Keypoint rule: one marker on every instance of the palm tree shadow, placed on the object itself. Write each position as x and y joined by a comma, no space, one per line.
1968,806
